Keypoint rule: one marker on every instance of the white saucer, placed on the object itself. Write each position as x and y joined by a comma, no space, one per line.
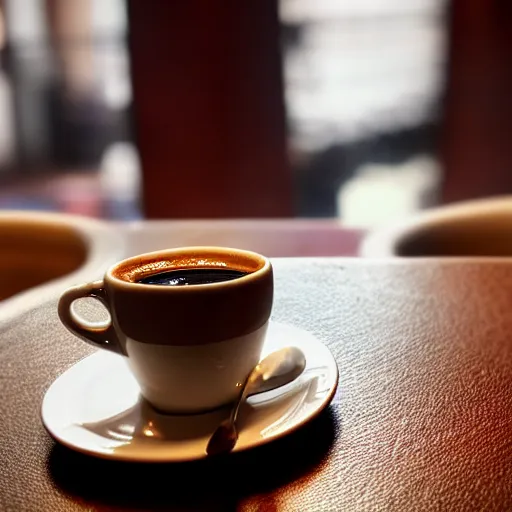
95,407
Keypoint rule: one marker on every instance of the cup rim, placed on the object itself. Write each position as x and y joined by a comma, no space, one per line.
221,250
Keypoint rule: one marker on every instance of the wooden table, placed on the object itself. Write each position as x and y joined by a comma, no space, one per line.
422,419
274,237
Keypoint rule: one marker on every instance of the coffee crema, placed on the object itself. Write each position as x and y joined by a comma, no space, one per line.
192,276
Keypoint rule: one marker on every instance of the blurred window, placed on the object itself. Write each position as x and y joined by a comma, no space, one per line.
363,82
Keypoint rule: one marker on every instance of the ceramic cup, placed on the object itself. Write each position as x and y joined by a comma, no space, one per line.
189,347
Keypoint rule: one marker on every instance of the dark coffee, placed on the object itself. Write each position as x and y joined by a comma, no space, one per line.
192,276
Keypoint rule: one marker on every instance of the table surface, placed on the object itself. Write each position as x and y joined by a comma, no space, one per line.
422,419
273,237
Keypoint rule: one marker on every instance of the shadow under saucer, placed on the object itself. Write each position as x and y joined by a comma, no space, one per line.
217,483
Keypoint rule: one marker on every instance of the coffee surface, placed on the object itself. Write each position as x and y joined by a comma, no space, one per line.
192,276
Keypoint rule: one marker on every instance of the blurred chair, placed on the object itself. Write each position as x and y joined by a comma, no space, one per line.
467,229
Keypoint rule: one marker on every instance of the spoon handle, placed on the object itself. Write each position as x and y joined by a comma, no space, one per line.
244,392
224,439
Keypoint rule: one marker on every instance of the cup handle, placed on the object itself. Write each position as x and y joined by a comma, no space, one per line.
98,335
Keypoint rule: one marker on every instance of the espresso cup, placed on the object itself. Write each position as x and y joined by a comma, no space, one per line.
189,347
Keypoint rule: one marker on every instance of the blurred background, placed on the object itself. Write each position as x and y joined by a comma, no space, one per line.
361,110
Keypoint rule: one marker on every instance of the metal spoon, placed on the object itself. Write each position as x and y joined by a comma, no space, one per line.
277,369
